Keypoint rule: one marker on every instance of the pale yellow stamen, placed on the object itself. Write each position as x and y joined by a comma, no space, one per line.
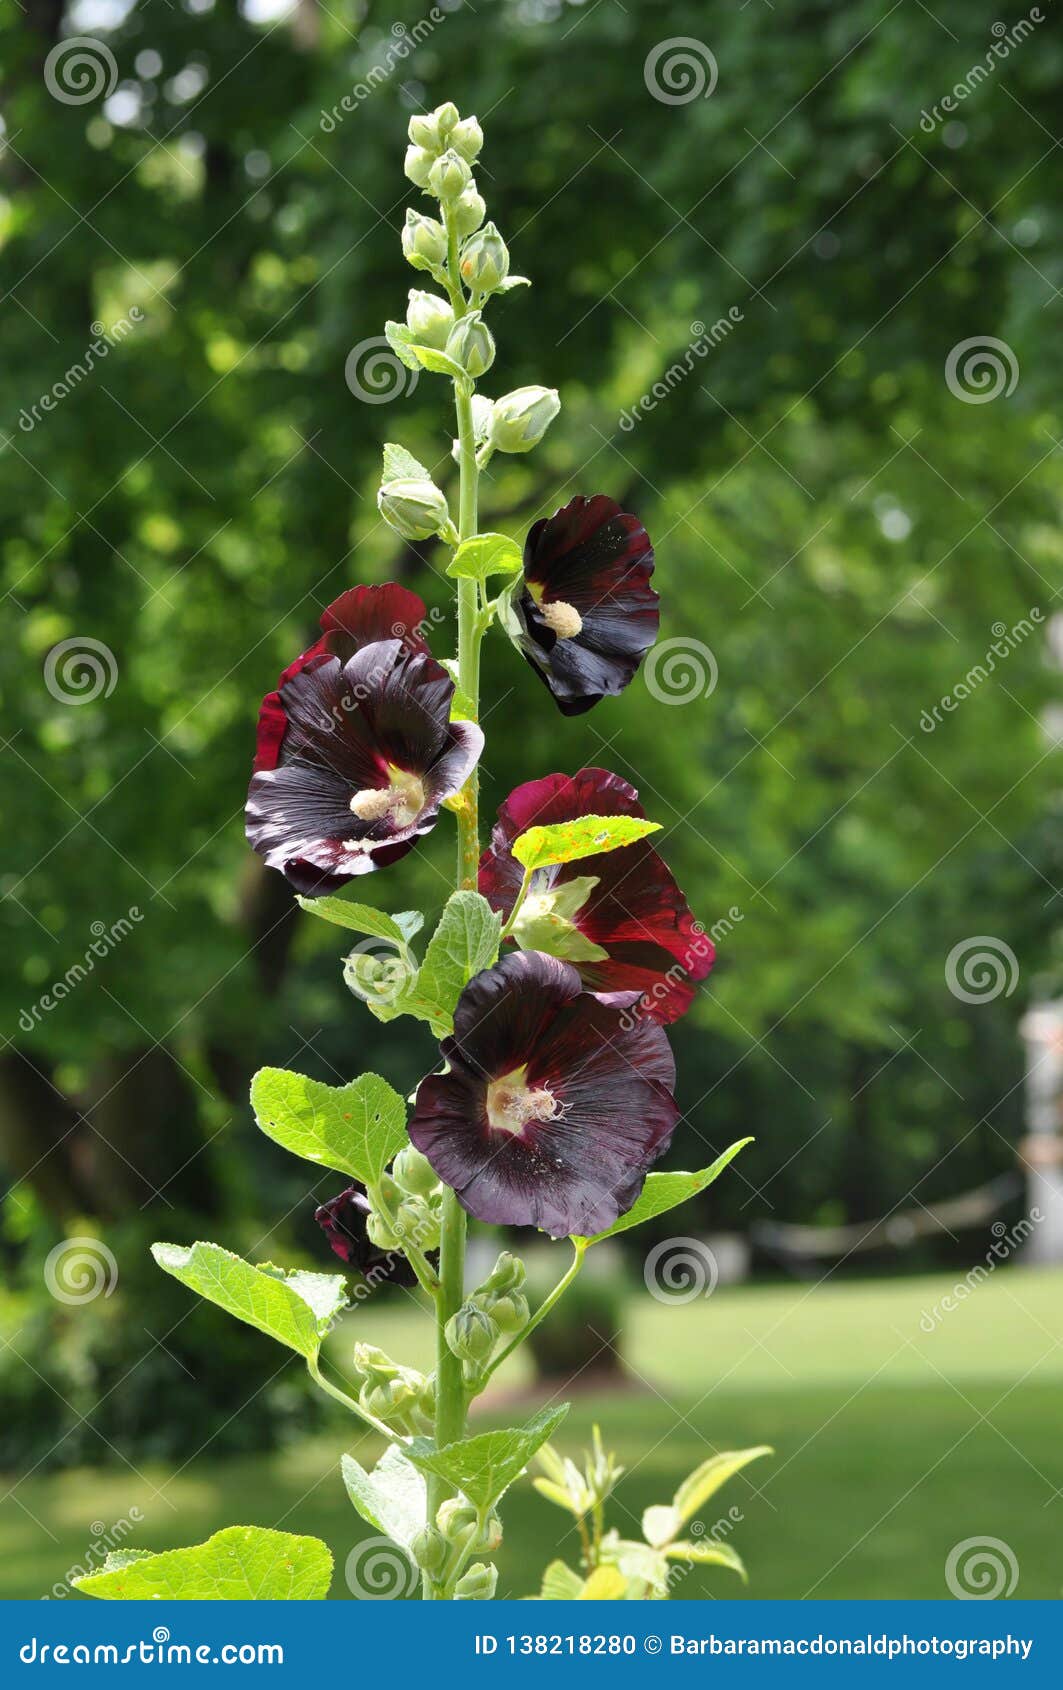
512,1103
373,803
402,799
562,619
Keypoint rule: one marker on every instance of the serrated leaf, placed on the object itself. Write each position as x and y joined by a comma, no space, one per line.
400,465
296,1309
238,1564
662,1192
484,555
560,1583
391,1497
465,942
362,918
485,1466
708,1555
400,339
660,1524
355,1128
606,1584
707,1479
588,836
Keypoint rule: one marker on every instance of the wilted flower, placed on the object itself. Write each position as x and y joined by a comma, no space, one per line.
554,1106
367,756
585,608
343,1221
619,917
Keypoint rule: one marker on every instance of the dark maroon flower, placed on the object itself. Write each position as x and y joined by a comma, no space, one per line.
367,756
619,918
357,618
342,1219
585,610
555,1103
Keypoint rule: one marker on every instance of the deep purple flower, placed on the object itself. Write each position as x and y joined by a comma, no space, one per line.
357,618
555,1103
342,1219
586,612
367,756
619,918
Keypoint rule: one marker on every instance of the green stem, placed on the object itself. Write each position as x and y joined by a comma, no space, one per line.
515,911
318,1377
579,1249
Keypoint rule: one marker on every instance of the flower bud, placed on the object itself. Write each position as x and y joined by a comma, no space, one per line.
521,418
418,165
471,344
484,260
508,1274
466,138
449,176
458,1521
446,116
424,132
478,1584
510,1313
380,1231
471,1333
415,509
417,1224
415,1172
490,1538
468,212
430,1550
430,317
424,241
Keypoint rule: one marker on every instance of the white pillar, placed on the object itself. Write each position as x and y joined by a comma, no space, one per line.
1042,1149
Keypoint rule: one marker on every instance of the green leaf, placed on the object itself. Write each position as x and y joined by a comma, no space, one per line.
662,1192
708,1555
645,1569
485,1466
430,359
585,837
400,339
558,1495
465,942
356,1128
391,1497
362,918
400,465
660,1523
560,1584
297,1309
605,1584
512,282
484,555
239,1564
707,1479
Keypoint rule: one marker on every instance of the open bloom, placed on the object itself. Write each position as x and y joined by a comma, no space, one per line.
585,610
619,918
554,1105
357,618
367,756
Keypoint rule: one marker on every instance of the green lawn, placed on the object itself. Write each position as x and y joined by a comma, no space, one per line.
893,1445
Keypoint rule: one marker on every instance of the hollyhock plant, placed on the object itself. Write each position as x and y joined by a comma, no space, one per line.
585,614
549,1095
626,927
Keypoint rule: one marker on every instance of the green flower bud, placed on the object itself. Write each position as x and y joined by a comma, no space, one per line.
417,1224
478,1584
418,165
424,132
415,509
466,138
508,1274
510,1313
388,1402
521,418
490,1538
430,1550
468,212
471,344
484,260
471,1333
446,116
430,317
424,241
448,177
379,1231
458,1521
415,1172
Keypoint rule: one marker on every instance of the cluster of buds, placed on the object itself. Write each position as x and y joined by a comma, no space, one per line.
496,1309
401,1397
442,1550
406,1205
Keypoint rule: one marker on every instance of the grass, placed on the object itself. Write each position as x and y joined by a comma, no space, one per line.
893,1445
